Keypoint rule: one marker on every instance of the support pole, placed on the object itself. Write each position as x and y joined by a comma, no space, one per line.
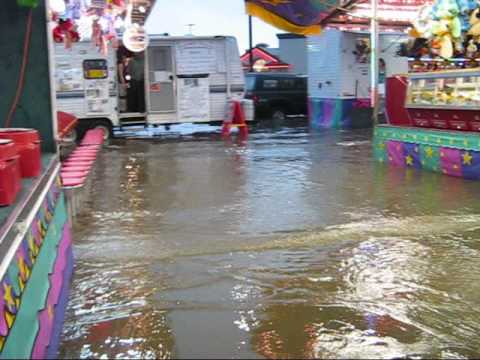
250,41
374,40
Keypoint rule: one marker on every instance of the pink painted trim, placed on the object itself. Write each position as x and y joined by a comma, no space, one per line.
47,316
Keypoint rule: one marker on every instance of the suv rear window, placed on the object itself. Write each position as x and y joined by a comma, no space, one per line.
270,84
250,82
287,84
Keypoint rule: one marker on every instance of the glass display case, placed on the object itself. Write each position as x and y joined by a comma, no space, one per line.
452,89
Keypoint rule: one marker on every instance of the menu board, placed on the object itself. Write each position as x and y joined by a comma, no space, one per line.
196,57
193,99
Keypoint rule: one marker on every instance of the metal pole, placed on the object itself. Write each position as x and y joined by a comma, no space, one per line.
250,39
374,40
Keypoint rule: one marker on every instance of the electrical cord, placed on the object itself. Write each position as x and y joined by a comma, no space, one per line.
21,77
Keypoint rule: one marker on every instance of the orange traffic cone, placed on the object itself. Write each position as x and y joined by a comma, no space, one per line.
235,118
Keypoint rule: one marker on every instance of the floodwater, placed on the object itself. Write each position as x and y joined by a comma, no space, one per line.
293,245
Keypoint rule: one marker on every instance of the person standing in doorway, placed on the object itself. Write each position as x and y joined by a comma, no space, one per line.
138,82
124,82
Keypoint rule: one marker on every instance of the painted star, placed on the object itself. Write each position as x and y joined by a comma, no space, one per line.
8,296
23,267
409,160
467,158
381,146
429,152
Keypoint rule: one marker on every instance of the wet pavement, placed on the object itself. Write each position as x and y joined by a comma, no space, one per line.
293,245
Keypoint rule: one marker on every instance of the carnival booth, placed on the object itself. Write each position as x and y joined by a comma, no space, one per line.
36,258
433,112
339,76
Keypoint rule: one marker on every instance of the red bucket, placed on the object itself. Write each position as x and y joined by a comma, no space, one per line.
10,177
27,142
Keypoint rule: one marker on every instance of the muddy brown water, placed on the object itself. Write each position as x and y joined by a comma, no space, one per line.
293,245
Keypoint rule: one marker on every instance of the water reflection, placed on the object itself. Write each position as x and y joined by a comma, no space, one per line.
291,245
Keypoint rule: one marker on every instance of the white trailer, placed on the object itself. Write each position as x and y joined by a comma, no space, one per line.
187,80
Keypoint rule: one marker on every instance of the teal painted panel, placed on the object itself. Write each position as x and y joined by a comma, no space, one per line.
444,138
20,341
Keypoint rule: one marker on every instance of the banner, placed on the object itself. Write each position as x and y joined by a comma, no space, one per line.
299,16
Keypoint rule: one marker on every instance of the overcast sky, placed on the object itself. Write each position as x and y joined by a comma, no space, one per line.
211,17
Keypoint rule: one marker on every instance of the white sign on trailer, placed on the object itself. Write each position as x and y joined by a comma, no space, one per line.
195,57
193,99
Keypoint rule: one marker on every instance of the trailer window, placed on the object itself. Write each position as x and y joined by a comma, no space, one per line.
270,84
301,84
287,84
95,69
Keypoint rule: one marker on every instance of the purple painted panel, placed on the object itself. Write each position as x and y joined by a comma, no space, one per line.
57,279
395,153
451,161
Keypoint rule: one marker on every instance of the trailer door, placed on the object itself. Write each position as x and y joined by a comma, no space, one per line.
161,80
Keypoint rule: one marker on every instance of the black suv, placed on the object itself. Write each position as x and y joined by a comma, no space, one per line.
277,95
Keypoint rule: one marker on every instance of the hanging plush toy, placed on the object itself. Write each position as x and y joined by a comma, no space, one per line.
65,32
423,22
362,50
474,23
96,33
471,49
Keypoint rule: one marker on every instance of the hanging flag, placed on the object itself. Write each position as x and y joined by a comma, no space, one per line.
296,16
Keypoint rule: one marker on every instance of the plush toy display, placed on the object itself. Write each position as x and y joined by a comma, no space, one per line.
65,32
451,28
102,16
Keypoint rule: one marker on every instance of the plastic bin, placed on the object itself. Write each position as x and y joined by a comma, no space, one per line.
10,177
27,142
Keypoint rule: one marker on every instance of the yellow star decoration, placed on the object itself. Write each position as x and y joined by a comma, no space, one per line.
10,319
33,246
381,146
409,160
467,158
24,270
429,152
8,296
